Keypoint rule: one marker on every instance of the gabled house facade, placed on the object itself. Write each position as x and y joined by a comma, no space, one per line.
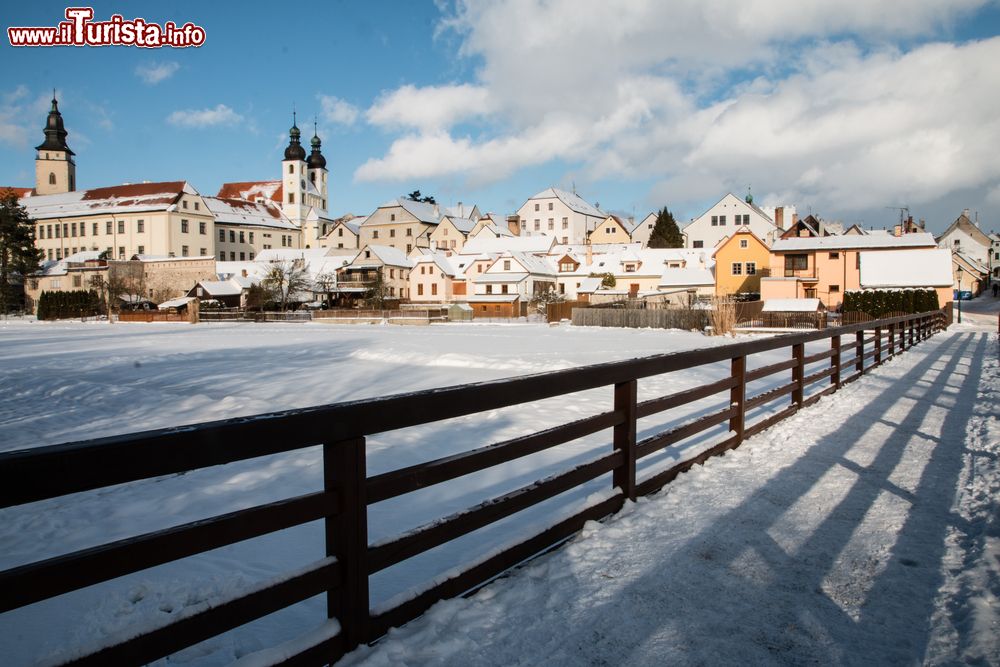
562,215
740,261
723,218
966,237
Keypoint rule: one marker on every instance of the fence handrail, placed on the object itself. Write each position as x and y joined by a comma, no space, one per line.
54,470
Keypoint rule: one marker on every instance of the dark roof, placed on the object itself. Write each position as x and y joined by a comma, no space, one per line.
55,133
135,190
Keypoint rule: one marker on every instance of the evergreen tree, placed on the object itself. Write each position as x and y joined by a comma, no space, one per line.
18,254
665,232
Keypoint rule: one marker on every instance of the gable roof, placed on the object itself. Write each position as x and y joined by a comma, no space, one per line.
489,244
753,207
967,226
574,201
422,211
245,212
744,231
20,192
853,242
134,198
906,268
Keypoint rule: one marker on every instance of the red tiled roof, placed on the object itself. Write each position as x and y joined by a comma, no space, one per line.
135,190
249,205
20,192
236,190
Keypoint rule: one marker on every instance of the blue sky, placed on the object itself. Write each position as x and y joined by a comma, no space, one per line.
841,109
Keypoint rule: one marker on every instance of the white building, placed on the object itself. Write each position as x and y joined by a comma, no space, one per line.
560,214
966,237
726,216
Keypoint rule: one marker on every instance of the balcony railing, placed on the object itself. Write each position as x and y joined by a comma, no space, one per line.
809,274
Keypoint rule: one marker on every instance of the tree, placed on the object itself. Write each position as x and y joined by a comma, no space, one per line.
608,280
286,279
416,196
18,254
543,299
326,282
377,293
665,232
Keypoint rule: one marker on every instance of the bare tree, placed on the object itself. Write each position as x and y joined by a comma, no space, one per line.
285,279
325,282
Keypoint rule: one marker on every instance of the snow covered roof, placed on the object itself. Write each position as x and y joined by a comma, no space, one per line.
220,287
906,268
243,212
500,277
855,242
589,285
135,198
179,302
391,256
251,190
422,211
438,259
463,225
572,200
495,229
534,264
492,245
791,306
492,298
690,276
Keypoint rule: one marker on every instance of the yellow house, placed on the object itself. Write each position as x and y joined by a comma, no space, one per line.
612,230
740,260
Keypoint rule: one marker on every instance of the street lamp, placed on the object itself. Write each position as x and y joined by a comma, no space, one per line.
960,297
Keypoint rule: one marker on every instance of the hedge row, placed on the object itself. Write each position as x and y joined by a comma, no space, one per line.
881,303
62,305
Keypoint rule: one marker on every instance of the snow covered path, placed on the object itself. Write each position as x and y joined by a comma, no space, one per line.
864,530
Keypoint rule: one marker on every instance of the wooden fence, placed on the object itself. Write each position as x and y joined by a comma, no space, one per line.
152,316
676,318
813,320
343,575
555,312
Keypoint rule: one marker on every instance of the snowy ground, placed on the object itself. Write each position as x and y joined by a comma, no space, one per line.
780,565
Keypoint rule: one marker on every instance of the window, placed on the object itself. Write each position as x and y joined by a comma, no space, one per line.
834,289
185,252
409,232
392,217
489,288
202,252
243,236
232,236
291,197
184,203
251,256
243,256
503,289
744,243
232,256
958,242
751,268
434,289
251,237
375,234
737,268
141,250
222,256
83,229
550,206
392,233
745,221
291,169
77,281
538,225
94,229
57,229
121,226
715,221
697,244
121,252
565,222
202,227
73,227
536,207
409,247
834,255
392,273
420,287
197,206
567,266
506,265
222,235
722,221
796,262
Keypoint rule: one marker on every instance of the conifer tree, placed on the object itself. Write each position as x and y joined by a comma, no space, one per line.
18,254
665,232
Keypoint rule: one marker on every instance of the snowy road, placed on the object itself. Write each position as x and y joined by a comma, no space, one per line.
863,530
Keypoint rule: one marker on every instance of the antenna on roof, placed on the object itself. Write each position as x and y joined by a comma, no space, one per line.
574,186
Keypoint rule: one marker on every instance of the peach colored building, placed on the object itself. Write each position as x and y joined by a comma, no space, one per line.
825,267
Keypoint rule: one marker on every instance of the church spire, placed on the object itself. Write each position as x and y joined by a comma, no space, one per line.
294,150
316,159
55,133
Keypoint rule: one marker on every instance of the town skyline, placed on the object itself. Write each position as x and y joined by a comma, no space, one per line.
428,110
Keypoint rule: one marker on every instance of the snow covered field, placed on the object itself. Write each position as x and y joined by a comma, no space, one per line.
72,380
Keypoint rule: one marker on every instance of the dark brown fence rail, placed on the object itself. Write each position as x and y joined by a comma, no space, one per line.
343,575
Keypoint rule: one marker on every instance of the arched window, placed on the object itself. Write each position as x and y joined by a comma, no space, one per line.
291,169
52,178
312,176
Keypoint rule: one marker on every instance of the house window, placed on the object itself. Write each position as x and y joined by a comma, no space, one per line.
796,262
715,221
506,265
550,206
184,251
232,236
222,234
834,255
697,244
834,289
503,289
243,238
392,273
538,225
291,169
751,268
73,227
243,256
184,226
184,203
444,232
251,256
121,226
141,250
434,289
609,230
197,207
722,221
340,232
746,220
202,252
737,268
251,237
202,227
567,266
744,243
83,229
536,207
565,223
958,242
489,288
810,292
121,252
409,232
52,178
392,217
375,234
291,197
392,233
222,256
420,288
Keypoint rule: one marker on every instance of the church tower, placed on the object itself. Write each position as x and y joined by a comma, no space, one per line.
293,177
55,171
316,165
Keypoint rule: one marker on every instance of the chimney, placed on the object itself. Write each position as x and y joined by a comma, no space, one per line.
437,211
244,272
590,254
514,224
461,210
965,212
897,230
795,219
779,217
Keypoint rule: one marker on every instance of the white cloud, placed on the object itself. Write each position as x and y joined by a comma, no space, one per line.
429,108
825,108
220,115
336,110
154,73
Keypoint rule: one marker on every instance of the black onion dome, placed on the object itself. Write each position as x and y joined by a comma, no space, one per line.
55,133
294,150
316,159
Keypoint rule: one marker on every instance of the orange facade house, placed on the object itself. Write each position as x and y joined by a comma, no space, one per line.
741,260
827,266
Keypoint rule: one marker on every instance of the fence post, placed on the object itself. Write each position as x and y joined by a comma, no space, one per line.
738,397
859,365
878,346
623,477
798,372
347,538
835,361
892,339
911,327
